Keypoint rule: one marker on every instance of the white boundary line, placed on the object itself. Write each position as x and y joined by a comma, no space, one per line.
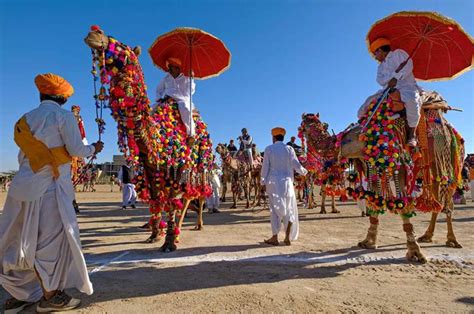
99,268
288,258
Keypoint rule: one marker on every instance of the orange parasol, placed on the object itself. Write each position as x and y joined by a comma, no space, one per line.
439,47
201,54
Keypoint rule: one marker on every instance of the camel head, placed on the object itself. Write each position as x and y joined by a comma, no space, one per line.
221,149
97,40
316,133
351,146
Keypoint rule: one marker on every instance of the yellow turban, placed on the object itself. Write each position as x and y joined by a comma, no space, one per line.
379,42
278,131
54,85
173,61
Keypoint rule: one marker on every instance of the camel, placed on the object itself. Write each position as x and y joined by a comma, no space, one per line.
240,173
91,177
255,177
444,156
352,145
169,169
321,160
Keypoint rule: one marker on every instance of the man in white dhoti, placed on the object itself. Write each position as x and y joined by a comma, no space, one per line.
212,202
177,86
129,195
403,80
40,249
279,165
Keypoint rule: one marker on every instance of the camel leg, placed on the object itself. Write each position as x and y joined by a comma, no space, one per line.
333,205
183,213
310,202
200,222
370,241
224,189
155,231
235,191
261,195
170,245
247,196
234,199
451,239
414,252
428,236
253,188
323,200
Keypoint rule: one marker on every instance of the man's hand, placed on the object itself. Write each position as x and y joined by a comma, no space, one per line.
99,146
392,83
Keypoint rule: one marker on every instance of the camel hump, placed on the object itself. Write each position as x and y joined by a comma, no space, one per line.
433,100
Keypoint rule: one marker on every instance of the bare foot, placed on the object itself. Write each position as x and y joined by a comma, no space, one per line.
287,241
272,241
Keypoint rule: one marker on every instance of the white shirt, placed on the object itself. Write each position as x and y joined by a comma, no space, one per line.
280,162
177,88
387,70
55,127
406,84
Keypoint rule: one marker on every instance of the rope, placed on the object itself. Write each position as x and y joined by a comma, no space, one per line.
99,105
426,201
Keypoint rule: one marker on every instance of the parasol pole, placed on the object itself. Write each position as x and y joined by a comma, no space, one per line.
190,87
402,65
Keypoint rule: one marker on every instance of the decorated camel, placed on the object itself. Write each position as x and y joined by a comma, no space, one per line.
391,171
321,160
238,169
170,166
255,176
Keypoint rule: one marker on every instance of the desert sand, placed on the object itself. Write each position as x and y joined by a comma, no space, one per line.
226,268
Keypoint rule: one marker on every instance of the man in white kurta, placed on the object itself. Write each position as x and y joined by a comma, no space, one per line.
212,202
129,195
279,164
40,249
403,80
178,87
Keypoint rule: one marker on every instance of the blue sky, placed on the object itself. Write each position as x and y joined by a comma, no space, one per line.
288,57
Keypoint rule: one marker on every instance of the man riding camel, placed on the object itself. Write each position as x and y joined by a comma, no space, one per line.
396,71
176,86
246,142
232,148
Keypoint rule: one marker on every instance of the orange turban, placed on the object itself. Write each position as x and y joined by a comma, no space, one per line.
54,85
173,61
379,42
278,131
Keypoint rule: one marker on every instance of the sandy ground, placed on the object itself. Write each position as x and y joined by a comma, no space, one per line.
226,268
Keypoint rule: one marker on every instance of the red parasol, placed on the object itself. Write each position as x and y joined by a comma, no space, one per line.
202,55
439,47
198,51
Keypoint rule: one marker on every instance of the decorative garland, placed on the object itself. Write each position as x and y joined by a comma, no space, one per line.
378,204
382,149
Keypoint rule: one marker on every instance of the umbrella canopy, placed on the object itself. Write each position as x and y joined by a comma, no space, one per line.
439,47
200,52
